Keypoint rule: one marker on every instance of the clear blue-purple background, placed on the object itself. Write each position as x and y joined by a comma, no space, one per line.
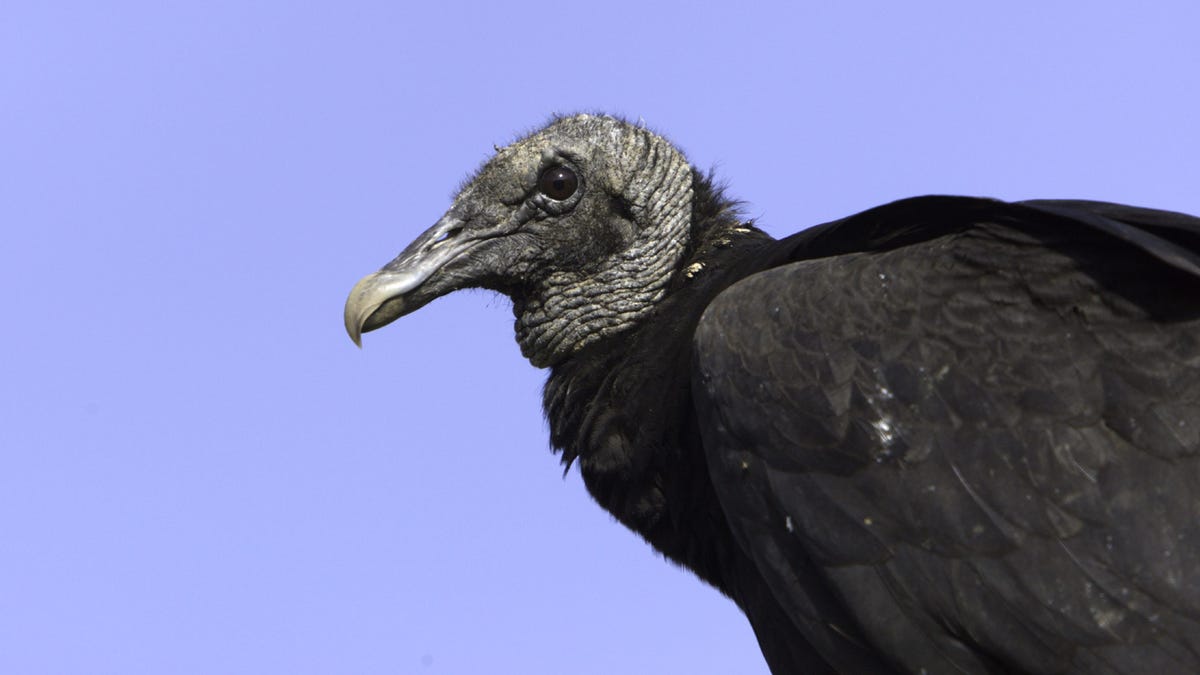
199,473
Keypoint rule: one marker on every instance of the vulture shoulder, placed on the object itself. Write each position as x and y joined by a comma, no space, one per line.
974,424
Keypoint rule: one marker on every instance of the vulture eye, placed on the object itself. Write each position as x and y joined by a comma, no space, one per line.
558,183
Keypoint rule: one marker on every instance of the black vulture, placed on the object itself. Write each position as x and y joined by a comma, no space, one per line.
944,435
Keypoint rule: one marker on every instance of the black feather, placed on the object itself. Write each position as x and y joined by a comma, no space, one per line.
946,434
1007,500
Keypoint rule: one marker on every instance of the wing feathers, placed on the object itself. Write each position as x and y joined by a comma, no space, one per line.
977,433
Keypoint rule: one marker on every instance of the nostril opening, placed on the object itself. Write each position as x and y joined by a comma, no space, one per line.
446,235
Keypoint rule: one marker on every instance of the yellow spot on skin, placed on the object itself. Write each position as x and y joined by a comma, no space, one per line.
867,521
693,269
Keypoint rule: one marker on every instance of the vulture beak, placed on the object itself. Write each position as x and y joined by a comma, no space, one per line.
384,296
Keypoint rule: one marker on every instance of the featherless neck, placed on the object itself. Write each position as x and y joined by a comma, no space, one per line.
571,309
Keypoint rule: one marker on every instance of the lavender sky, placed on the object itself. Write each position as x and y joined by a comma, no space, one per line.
199,473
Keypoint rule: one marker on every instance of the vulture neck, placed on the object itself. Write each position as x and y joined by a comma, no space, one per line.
571,309
622,406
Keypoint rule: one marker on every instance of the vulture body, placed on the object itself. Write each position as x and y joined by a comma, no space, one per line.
945,435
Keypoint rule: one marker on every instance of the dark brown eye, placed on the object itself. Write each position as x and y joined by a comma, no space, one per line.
558,183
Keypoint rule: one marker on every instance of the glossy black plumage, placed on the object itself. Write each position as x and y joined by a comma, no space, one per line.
972,405
986,442
944,435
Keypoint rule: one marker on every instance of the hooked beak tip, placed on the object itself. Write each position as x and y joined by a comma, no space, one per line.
375,301
384,296
363,302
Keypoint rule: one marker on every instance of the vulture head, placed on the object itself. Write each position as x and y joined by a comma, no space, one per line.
583,224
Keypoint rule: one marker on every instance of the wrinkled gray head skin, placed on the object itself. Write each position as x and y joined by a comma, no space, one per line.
578,268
